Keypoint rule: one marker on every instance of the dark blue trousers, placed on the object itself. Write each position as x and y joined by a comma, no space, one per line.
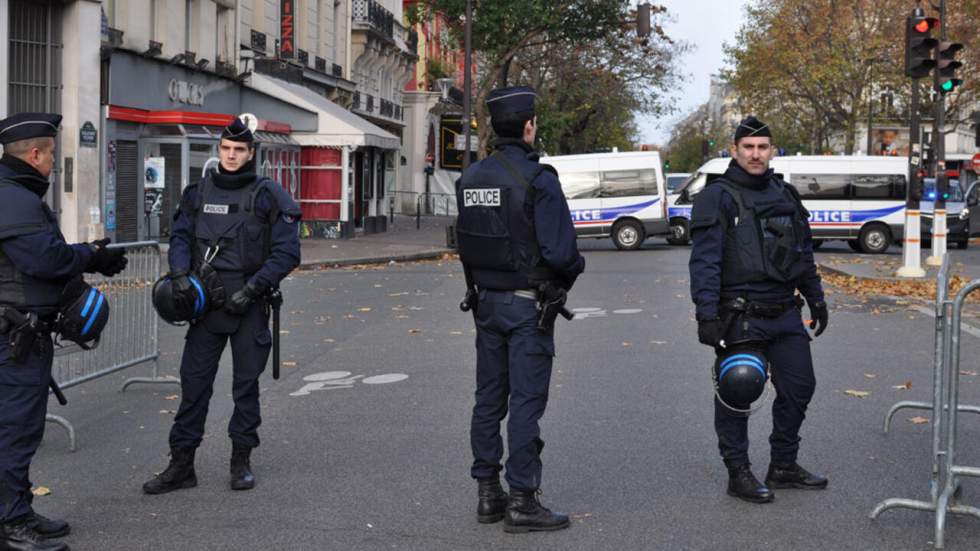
787,345
23,405
250,346
513,372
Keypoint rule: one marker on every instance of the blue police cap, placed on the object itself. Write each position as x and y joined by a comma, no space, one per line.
237,132
512,102
26,126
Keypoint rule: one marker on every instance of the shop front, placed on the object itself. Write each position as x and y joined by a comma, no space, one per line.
163,135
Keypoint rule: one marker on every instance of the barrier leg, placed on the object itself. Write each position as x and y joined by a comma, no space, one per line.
903,405
65,424
155,379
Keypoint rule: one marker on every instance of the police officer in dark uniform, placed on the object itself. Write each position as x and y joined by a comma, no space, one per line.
35,267
518,249
752,250
245,227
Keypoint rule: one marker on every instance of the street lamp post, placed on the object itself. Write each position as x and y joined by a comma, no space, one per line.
467,82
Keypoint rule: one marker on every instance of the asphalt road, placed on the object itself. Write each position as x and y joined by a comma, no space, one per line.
365,437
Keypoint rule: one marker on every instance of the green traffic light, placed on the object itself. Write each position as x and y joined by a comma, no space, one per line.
948,86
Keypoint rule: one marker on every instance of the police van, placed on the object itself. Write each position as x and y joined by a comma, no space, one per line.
859,199
618,195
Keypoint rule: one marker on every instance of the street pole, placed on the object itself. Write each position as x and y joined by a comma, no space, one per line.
911,246
467,83
939,150
871,104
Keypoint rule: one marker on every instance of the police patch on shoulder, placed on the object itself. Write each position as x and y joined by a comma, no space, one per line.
215,209
481,197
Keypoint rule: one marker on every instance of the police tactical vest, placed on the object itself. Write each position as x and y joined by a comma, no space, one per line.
765,241
17,289
229,234
495,237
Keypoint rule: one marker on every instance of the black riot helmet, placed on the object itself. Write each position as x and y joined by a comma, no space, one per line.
83,313
740,375
179,298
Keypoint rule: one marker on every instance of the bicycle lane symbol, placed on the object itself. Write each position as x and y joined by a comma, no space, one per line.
333,380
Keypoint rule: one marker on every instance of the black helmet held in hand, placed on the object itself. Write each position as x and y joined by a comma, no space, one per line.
179,298
83,313
740,376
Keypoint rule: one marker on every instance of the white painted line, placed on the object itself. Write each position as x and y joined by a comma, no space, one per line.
628,311
932,312
585,310
327,376
384,379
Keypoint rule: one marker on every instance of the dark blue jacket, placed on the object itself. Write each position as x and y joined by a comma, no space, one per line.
547,208
713,214
284,254
31,242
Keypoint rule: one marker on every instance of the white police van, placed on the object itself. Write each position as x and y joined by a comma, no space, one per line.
859,199
618,195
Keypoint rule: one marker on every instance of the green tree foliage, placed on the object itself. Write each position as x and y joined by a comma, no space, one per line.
582,56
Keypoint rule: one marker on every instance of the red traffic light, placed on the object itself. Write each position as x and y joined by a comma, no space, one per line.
925,24
922,26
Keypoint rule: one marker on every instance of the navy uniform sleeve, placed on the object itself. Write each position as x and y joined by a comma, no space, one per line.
284,254
33,246
809,283
554,229
180,256
710,216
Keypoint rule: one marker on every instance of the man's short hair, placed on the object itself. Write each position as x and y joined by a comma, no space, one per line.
513,126
23,147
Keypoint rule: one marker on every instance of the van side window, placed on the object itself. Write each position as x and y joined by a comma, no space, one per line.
580,185
878,186
822,186
628,183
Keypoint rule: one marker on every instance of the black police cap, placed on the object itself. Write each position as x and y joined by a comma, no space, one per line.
27,126
751,127
237,132
511,103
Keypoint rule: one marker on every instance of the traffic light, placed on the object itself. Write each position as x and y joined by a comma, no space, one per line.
946,66
915,189
919,44
704,148
666,164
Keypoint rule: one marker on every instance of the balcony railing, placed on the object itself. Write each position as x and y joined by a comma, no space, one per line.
374,15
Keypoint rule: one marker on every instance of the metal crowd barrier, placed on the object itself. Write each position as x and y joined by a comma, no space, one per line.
130,338
944,483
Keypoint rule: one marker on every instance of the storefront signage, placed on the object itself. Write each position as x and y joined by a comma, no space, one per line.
452,143
88,136
186,92
286,34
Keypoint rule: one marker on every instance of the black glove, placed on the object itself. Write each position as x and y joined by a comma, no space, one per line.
106,261
818,316
239,302
711,331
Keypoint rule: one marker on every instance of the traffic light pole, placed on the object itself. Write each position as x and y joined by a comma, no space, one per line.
467,83
911,253
942,184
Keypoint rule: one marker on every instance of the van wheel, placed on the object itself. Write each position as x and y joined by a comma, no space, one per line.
874,238
962,245
679,232
628,235
854,245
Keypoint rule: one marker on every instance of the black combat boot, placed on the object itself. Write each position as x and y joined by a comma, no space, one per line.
526,514
745,486
19,535
794,476
178,475
46,527
493,501
241,468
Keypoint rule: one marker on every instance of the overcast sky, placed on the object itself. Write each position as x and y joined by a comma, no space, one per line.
706,25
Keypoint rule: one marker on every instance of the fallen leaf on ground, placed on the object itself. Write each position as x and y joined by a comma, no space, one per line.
970,373
906,386
918,420
414,331
626,343
171,397
857,393
455,332
870,375
289,364
365,309
167,411
41,491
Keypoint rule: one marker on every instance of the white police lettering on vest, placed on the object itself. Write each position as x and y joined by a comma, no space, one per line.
216,209
481,197
830,216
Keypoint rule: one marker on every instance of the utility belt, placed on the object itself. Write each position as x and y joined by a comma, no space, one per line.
25,332
761,309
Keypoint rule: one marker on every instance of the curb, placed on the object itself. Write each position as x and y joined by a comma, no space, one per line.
373,260
844,273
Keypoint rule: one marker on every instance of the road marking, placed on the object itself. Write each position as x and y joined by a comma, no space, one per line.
628,311
932,312
333,380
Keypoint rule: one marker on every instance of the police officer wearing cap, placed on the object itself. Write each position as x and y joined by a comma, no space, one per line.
517,245
752,250
244,226
36,265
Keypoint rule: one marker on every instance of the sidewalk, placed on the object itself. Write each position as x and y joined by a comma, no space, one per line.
884,267
402,242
